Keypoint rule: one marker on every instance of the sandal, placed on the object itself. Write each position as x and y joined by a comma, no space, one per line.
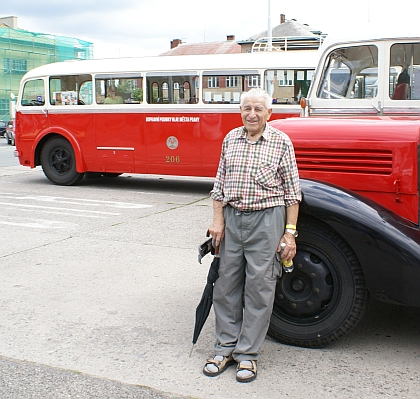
221,365
246,365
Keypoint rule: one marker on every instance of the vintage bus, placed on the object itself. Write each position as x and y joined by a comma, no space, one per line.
358,155
169,114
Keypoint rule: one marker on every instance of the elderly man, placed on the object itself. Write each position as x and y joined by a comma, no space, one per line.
256,198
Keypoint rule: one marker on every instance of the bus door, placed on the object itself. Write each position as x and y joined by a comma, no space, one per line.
69,111
172,131
32,100
116,123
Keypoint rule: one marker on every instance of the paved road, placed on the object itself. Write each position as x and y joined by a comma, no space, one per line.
98,292
7,157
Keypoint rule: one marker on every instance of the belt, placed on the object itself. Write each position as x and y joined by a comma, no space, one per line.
245,211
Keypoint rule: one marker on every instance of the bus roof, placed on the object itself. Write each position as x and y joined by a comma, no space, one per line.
242,61
370,32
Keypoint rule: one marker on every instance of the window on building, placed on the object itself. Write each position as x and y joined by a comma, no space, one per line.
119,89
213,82
12,65
232,81
254,81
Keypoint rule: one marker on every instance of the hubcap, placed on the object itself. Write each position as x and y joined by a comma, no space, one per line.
307,291
60,161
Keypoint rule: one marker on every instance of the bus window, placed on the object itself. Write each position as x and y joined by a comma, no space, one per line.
404,82
366,84
287,86
172,87
344,70
226,87
33,93
66,90
121,89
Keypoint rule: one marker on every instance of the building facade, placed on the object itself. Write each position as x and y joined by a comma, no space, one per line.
21,51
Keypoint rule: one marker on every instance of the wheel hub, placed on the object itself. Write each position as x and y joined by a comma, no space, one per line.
306,291
60,161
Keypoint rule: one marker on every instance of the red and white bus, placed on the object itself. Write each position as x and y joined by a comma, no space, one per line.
169,114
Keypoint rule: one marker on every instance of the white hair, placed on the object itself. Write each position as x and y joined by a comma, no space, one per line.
257,93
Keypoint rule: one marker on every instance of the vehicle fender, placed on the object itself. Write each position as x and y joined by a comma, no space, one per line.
58,131
387,246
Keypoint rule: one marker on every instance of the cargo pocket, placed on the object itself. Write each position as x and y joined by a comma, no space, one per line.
275,269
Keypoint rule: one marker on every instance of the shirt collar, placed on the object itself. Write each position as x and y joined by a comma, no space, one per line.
242,132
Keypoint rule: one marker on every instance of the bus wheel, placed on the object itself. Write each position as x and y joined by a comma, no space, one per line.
59,163
324,297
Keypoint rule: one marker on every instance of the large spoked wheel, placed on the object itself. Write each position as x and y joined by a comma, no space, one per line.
58,162
324,297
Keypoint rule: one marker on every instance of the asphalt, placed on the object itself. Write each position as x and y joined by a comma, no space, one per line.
98,290
26,380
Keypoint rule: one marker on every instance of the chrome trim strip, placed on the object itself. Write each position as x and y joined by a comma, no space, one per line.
116,148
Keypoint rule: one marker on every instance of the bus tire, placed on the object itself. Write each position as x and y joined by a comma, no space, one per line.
59,163
325,296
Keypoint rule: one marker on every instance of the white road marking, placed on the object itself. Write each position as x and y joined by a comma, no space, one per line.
57,208
76,201
41,224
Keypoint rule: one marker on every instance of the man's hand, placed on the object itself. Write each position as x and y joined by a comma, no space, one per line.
217,228
289,251
291,218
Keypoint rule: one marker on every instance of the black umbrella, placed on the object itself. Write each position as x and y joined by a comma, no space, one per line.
203,309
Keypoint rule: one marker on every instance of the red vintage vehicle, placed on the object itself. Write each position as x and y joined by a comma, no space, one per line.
358,156
357,151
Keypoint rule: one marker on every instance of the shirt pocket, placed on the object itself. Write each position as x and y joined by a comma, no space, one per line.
267,175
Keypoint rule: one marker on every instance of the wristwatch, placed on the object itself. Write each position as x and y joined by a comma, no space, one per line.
294,233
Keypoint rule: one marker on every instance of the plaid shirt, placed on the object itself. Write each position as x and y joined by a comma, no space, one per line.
257,175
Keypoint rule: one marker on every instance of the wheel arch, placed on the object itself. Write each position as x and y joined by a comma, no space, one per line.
42,139
387,247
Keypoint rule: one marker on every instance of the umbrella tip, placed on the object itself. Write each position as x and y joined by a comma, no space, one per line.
191,351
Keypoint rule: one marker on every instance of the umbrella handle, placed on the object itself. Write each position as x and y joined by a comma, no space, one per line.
216,248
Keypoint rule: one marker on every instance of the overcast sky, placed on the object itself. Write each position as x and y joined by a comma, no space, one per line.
129,28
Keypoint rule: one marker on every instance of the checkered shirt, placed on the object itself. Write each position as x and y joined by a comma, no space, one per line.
257,175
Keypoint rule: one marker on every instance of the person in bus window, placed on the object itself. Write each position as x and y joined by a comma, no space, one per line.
402,88
256,197
112,97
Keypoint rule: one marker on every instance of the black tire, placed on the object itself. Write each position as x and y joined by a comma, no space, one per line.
58,162
325,296
7,138
12,141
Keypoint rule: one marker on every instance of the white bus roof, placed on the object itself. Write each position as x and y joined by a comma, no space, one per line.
370,32
242,61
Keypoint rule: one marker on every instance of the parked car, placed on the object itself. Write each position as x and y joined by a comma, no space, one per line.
3,125
10,132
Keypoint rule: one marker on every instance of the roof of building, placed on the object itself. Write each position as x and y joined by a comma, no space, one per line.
290,28
227,47
288,35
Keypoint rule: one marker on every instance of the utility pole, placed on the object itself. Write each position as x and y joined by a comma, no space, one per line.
270,32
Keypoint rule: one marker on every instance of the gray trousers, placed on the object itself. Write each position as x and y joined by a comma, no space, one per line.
244,292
